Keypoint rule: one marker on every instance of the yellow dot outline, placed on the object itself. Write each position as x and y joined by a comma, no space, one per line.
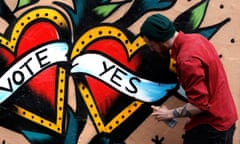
57,18
57,126
116,121
36,14
106,31
81,43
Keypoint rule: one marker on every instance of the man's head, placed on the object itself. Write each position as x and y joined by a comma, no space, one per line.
157,30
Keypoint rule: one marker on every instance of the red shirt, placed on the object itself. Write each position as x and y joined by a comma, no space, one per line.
204,80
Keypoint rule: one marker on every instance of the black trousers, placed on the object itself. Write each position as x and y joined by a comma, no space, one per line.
205,134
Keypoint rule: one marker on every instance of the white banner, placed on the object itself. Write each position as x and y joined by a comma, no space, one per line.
27,67
94,65
119,78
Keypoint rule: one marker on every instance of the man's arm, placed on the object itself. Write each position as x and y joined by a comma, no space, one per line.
186,110
163,113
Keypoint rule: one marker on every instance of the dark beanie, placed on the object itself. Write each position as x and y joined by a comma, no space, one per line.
158,28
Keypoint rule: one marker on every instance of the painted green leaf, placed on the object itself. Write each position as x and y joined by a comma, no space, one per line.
197,14
22,3
105,10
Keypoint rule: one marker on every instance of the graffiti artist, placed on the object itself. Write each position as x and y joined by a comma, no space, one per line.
210,107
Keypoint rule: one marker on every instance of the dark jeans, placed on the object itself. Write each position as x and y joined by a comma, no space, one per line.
205,134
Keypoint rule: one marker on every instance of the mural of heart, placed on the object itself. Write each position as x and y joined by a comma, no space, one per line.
110,42
39,99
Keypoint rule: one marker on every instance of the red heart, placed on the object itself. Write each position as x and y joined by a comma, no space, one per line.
35,35
104,95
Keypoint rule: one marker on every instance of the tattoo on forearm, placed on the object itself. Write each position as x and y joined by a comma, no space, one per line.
176,114
185,112
182,112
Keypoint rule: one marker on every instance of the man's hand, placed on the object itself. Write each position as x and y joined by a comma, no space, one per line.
162,113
